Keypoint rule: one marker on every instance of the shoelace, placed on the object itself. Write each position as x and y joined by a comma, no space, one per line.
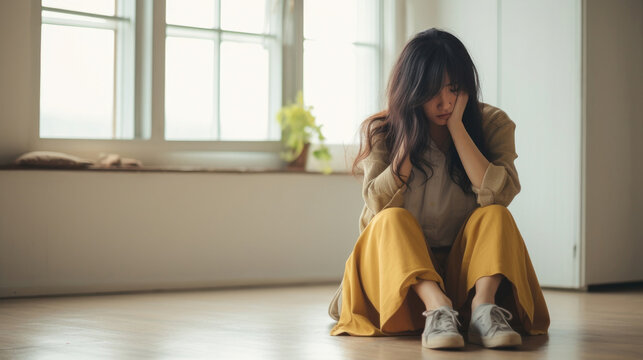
499,317
443,319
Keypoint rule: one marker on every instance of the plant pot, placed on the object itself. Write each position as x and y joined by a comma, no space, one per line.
299,164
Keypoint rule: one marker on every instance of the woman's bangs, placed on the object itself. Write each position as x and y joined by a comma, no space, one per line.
436,66
455,69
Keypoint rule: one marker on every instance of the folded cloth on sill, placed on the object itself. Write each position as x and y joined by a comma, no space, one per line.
116,161
52,159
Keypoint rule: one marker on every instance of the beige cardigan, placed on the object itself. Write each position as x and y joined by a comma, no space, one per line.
500,183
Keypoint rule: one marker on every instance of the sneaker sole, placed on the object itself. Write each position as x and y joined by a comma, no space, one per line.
443,342
513,339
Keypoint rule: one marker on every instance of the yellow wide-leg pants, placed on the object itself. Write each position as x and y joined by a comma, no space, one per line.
391,255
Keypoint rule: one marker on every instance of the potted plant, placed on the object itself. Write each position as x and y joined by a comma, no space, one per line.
297,127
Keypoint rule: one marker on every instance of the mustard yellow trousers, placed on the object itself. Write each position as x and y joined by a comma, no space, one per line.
391,255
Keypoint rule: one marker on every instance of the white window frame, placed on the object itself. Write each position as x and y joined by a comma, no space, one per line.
123,24
149,104
219,35
378,46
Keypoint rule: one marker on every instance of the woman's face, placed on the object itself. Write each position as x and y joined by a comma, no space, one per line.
442,103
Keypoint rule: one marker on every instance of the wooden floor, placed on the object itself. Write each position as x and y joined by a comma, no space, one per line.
285,323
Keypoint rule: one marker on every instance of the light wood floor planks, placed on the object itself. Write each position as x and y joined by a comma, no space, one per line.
285,323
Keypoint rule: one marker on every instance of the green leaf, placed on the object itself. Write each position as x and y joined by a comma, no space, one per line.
297,128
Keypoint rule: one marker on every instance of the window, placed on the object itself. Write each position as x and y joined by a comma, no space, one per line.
86,69
170,79
342,64
222,58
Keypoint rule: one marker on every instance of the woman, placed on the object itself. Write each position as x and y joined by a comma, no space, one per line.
438,176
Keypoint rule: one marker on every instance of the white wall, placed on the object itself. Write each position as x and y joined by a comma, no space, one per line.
614,141
93,231
16,93
540,89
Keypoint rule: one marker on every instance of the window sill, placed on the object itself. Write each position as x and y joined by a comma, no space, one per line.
179,169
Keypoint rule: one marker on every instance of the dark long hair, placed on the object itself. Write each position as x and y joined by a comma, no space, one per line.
416,78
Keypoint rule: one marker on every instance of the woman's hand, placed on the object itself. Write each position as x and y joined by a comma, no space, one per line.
458,110
473,161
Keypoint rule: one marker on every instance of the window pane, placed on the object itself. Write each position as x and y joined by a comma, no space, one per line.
196,13
368,22
189,89
357,21
341,78
76,82
368,87
244,91
103,7
244,15
329,86
330,19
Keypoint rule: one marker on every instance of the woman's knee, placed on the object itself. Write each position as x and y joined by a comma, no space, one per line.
497,214
493,210
392,213
397,217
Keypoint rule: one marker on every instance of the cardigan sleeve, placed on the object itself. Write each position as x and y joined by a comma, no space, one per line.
380,191
500,183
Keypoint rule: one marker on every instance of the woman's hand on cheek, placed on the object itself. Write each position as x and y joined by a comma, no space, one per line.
458,109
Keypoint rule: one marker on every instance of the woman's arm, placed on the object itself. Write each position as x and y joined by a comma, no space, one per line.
474,163
500,183
380,189
496,182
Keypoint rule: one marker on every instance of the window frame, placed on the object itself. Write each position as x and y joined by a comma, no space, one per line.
379,48
121,23
149,144
219,35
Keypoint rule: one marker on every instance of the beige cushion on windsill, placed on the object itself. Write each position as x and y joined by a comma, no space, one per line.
51,159
335,307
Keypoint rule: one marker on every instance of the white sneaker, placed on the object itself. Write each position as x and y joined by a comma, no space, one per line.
441,329
489,327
